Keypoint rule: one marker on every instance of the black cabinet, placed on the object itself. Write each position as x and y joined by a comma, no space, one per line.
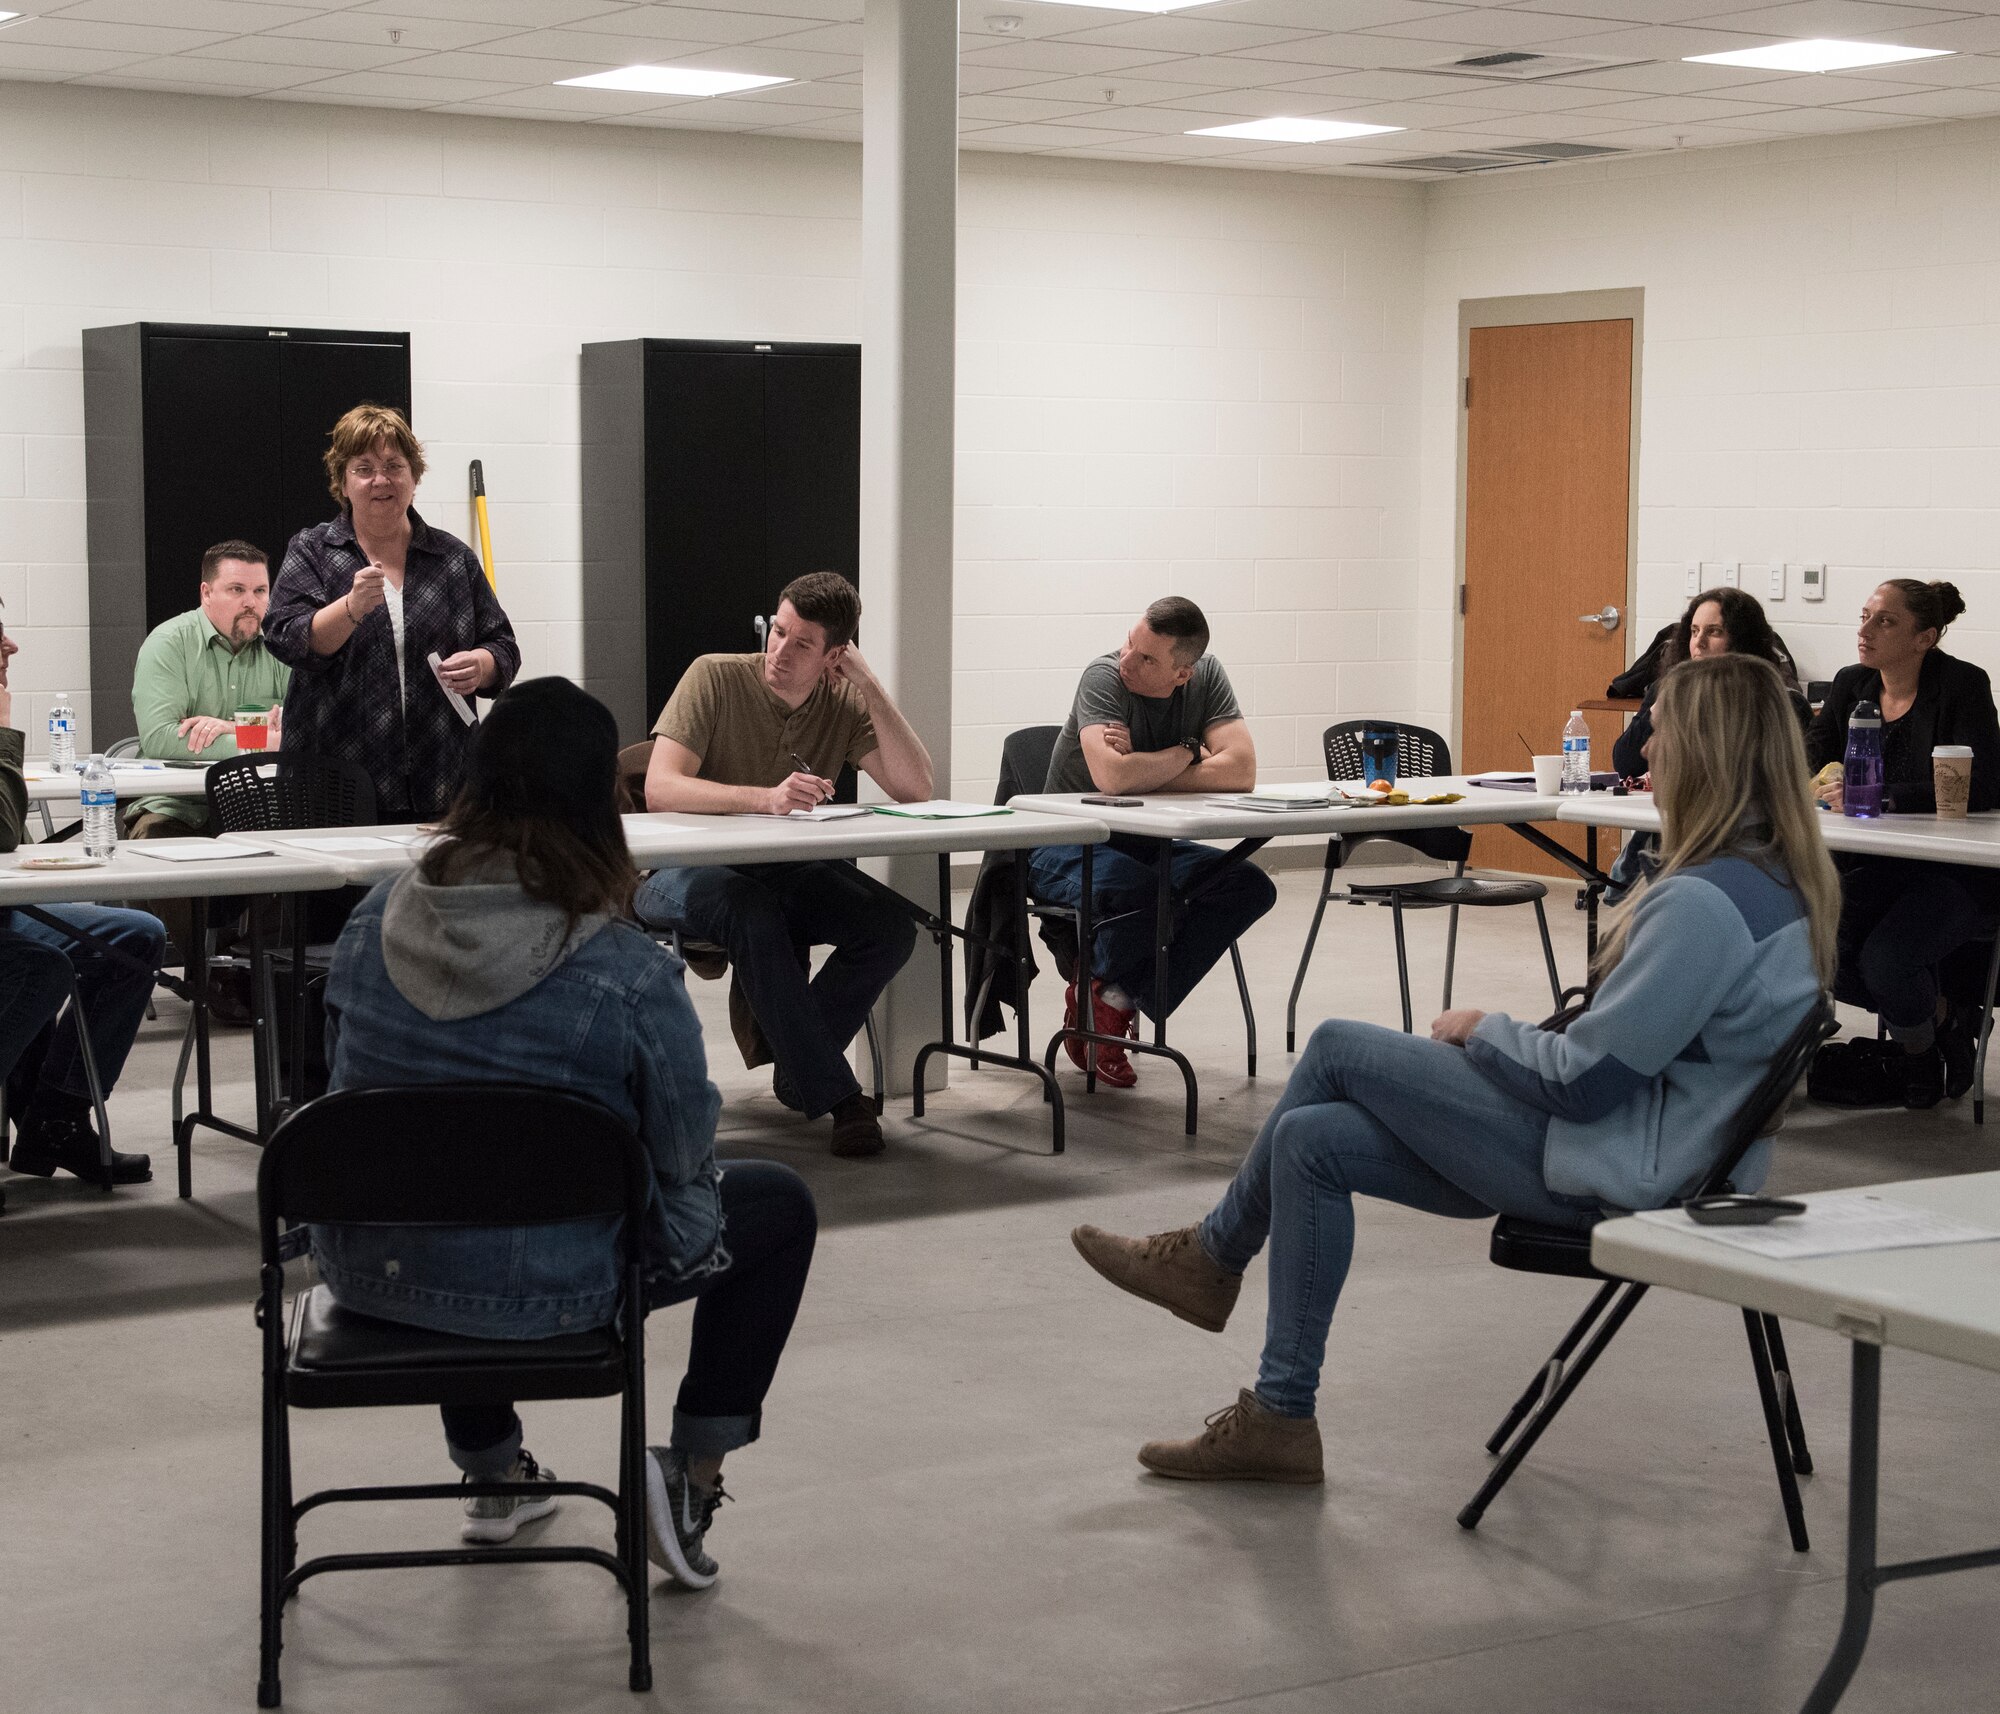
713,474
194,434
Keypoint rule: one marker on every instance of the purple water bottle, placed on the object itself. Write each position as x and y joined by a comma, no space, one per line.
1861,790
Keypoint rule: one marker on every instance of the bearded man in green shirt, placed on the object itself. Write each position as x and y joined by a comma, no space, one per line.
193,674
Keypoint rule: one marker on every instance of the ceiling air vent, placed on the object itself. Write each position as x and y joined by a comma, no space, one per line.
1517,66
1493,160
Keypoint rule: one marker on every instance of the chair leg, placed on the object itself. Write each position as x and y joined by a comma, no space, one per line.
1549,955
1549,1376
875,1060
1774,1428
1524,1442
1305,957
1985,1031
1402,963
632,1493
1451,939
92,1083
271,1618
1249,1015
1781,1367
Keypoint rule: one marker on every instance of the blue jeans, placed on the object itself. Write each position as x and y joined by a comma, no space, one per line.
768,917
742,1317
114,994
1124,883
1393,1116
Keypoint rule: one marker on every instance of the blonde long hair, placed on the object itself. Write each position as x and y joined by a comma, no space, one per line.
1730,779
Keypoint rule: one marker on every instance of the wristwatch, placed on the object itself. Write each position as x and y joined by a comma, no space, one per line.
1193,747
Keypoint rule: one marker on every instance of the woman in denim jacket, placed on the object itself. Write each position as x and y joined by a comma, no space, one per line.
509,955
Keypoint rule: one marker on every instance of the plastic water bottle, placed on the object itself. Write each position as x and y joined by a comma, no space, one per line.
62,735
1861,789
100,809
1576,753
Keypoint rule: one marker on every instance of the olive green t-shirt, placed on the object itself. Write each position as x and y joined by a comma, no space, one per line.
724,712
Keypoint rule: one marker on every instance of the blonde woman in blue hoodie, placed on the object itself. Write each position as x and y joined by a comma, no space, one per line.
1707,970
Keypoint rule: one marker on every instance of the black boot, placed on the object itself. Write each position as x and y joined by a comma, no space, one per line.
1921,1076
65,1139
1958,1036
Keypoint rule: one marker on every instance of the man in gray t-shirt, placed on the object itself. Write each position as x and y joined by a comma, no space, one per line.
1157,715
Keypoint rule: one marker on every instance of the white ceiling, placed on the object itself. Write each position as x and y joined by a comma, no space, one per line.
1076,81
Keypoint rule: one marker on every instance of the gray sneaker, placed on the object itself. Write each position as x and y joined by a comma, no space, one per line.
678,1511
495,1517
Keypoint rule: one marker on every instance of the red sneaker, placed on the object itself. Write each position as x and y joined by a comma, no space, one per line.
1113,1067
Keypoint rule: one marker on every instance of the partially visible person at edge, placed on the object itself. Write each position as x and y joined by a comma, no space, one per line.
360,604
1155,715
1901,920
1717,622
509,955
1625,1109
48,1096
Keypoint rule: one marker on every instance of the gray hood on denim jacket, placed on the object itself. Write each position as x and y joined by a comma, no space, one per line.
465,950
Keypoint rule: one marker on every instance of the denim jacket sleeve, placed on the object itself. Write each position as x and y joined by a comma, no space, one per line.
677,1106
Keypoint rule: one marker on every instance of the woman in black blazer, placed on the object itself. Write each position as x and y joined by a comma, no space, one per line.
1900,919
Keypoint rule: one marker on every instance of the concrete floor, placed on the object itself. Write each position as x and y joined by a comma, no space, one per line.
945,1512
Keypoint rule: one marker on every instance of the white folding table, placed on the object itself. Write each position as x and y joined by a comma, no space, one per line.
1159,818
1943,1301
133,877
363,855
133,779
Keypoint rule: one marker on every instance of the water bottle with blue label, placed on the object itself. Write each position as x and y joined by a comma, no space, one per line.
100,809
1576,753
62,735
1861,774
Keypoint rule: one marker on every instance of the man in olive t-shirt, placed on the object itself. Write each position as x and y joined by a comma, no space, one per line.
1157,715
766,735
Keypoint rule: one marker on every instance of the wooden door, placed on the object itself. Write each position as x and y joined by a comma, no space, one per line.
1547,527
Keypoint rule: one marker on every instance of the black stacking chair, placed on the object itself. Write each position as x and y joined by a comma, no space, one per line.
1530,1248
1024,765
479,1154
1420,754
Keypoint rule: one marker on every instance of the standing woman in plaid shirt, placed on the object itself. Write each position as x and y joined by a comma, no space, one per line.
360,605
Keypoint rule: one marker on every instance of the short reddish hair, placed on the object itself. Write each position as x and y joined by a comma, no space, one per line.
358,432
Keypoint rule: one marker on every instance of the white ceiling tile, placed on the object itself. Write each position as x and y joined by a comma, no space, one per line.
1230,71
698,23
1042,136
433,35
1638,11
1060,59
39,63
1496,28
1972,36
1131,88
1353,14
71,32
502,14
1843,20
1941,104
1672,77
602,51
1830,89
297,51
1821,121
492,64
192,72
1013,109
826,39
1678,110
222,15
1189,33
412,87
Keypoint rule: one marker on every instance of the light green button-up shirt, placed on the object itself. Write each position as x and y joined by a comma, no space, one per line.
186,668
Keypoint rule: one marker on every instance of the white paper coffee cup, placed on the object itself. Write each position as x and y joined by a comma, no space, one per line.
1548,775
1951,774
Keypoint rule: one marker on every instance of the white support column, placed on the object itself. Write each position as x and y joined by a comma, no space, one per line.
909,282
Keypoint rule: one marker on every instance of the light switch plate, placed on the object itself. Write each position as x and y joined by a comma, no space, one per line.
1812,583
1750,577
1717,576
1778,582
1693,578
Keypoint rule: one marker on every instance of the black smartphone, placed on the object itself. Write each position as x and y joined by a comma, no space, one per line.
1739,1210
1118,802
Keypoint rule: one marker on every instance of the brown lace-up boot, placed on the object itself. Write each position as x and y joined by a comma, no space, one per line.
1243,1442
1169,1268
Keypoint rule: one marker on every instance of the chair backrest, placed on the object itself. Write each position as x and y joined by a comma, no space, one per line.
124,747
266,794
1420,752
1761,1107
633,761
450,1154
1024,760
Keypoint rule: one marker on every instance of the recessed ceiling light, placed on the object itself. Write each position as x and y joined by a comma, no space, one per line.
1132,5
1818,55
1295,130
8,17
671,80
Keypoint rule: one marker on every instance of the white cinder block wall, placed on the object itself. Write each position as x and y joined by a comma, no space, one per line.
1171,380
1822,360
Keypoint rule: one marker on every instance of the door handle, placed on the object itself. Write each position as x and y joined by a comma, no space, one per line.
1608,618
760,625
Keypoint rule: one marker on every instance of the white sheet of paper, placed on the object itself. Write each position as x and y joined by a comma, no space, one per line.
458,702
823,812
1841,1223
938,809
191,850
1274,805
346,842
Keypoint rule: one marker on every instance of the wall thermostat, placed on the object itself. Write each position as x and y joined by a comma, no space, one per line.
1812,582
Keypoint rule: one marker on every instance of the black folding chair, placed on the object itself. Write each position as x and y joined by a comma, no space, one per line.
479,1154
1536,1249
1024,766
1420,754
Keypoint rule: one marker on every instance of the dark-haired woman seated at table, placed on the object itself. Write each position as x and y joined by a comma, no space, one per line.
1901,919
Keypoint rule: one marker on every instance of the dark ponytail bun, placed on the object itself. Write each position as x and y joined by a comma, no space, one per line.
1933,605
